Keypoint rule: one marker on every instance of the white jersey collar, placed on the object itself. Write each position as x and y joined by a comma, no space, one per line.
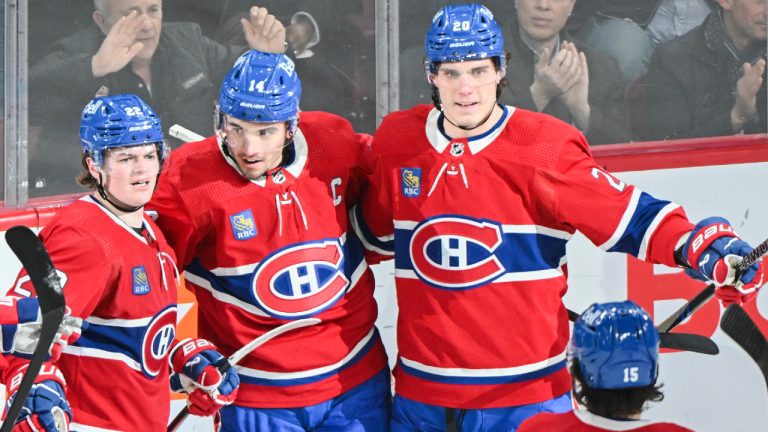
300,150
91,200
477,143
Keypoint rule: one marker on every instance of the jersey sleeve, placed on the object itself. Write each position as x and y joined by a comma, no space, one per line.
176,222
372,218
83,266
614,215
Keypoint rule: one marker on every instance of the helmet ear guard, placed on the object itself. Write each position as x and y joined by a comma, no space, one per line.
616,346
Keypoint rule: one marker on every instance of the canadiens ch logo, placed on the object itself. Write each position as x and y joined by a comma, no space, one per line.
157,342
456,252
243,225
410,182
140,280
300,280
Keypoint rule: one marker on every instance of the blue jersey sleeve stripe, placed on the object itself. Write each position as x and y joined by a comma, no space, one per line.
383,246
646,214
642,253
626,218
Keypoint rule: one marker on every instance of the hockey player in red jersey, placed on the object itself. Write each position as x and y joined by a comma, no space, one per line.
613,358
257,215
119,275
476,201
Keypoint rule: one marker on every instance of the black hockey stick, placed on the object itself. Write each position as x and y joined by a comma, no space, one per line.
708,292
679,341
740,327
238,355
33,256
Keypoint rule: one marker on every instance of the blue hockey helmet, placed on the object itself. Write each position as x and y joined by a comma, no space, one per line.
464,32
122,120
261,87
617,346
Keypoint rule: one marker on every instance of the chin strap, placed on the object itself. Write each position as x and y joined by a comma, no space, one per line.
466,128
121,206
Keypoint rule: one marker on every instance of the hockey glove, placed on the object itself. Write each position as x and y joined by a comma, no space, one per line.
712,251
194,370
20,320
46,407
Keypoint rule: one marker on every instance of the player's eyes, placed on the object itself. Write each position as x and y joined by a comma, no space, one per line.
451,74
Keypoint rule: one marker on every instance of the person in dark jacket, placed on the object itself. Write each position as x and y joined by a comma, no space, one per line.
172,66
710,82
550,74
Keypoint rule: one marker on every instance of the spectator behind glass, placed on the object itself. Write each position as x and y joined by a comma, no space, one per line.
324,79
629,30
710,82
127,50
549,73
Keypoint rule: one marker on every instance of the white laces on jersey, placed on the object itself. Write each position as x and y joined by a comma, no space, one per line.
445,169
285,200
162,260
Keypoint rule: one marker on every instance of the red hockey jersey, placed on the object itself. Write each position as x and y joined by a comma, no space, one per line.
124,285
478,229
259,253
584,421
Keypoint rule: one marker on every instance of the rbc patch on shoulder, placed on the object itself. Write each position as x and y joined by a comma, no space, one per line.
140,280
243,225
410,182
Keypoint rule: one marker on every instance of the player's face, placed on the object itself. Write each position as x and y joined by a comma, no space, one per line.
746,18
150,15
467,90
256,147
129,173
541,20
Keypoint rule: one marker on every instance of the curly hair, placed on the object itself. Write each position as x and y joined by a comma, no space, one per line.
618,403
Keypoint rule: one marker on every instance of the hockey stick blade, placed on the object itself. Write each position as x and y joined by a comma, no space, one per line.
33,256
238,355
679,341
708,292
740,327
689,342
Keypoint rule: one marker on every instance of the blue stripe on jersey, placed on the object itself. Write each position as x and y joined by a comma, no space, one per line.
368,236
8,331
518,252
122,340
646,211
237,286
482,380
314,378
354,253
